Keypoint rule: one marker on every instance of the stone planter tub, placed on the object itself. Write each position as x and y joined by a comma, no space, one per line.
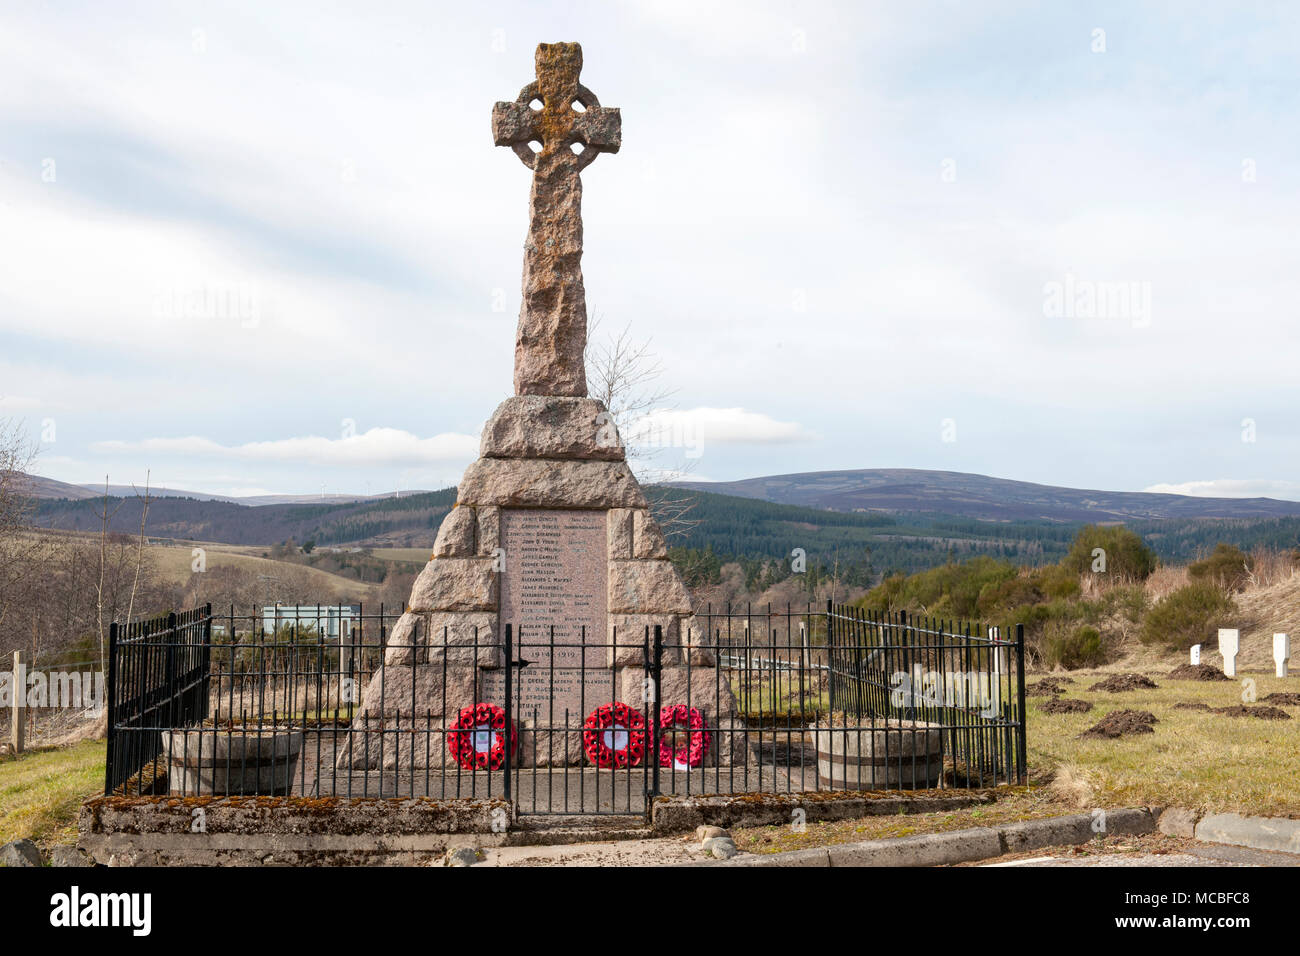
204,762
894,755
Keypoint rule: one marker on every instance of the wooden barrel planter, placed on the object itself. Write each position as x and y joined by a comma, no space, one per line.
892,755
231,762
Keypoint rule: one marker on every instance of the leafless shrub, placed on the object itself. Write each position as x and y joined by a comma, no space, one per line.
1164,581
623,374
22,554
1270,567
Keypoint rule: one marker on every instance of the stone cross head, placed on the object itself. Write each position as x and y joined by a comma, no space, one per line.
569,113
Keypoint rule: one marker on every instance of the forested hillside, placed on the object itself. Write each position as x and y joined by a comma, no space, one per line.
408,520
862,545
914,490
1180,541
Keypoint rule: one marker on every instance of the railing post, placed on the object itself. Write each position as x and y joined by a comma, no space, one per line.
509,709
1022,744
173,705
206,682
907,639
110,747
656,664
831,656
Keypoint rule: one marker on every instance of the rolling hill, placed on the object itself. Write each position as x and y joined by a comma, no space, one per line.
40,487
884,519
989,499
409,520
126,491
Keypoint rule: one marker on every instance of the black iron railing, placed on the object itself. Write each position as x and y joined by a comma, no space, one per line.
158,673
558,722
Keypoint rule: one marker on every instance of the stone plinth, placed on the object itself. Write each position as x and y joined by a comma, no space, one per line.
552,535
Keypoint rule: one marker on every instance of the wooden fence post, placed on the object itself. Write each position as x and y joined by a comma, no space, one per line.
18,723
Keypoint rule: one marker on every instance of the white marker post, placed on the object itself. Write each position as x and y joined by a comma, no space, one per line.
1001,664
1196,654
995,635
1229,642
1281,653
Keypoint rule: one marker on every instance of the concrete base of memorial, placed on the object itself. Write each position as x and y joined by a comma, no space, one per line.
267,831
577,790
296,831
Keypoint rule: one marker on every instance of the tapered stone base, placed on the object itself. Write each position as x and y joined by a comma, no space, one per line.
557,455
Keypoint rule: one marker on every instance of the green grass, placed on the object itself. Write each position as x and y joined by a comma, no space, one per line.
175,564
1196,759
419,556
777,696
41,791
1013,805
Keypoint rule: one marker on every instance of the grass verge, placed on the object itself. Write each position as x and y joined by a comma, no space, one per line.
1013,805
41,791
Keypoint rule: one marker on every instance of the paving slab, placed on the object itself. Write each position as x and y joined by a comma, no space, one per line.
1260,833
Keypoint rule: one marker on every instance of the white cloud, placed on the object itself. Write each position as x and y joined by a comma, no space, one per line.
1232,488
691,428
370,265
16,402
378,446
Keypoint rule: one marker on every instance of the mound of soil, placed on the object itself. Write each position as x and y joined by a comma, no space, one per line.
1120,723
1285,698
1197,672
1048,686
1261,712
1066,705
1118,683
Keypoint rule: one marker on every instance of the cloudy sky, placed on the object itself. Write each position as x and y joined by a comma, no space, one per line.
271,248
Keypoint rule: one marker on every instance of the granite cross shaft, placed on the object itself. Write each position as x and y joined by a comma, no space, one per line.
552,333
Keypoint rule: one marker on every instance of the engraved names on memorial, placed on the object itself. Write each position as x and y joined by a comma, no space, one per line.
553,594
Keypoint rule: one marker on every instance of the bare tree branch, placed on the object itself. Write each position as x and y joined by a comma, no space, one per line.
139,549
105,516
623,374
23,552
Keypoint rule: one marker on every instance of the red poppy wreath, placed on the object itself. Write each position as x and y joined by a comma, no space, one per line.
691,753
477,742
614,736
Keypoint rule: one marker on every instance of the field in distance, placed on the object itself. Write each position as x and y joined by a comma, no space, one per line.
402,554
175,565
